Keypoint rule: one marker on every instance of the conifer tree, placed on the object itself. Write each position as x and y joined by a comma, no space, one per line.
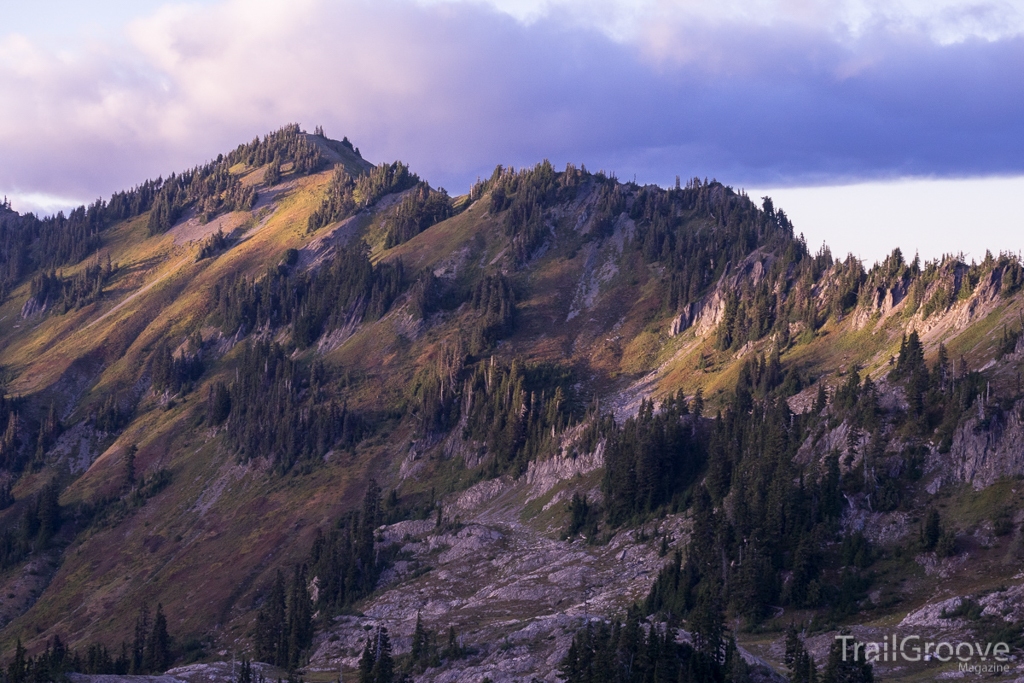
129,466
383,666
376,664
138,662
17,669
272,626
300,617
800,663
158,644
708,622
245,672
366,662
419,640
454,650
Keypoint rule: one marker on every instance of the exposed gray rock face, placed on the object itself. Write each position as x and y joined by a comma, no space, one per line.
931,616
1007,604
985,448
601,266
514,594
544,475
980,455
981,302
705,315
19,590
78,447
111,678
683,319
881,528
33,307
213,672
880,306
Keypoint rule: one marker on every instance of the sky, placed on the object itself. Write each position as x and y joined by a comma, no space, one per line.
873,124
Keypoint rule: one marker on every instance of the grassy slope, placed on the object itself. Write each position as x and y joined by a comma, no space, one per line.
214,529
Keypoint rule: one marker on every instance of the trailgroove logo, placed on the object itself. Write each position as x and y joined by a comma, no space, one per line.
915,649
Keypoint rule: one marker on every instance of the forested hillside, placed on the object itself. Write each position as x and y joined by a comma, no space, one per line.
284,398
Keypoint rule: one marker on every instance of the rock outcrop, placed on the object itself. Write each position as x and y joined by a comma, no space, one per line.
989,447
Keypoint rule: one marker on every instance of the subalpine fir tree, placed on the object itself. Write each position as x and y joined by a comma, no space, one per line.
271,626
383,667
138,663
300,617
366,662
799,662
376,664
158,645
129,467
419,640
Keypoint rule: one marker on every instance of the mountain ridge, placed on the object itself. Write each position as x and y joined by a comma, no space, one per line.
572,290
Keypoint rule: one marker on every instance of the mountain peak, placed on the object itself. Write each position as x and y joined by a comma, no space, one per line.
292,392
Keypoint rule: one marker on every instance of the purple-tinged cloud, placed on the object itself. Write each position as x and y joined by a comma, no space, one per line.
454,89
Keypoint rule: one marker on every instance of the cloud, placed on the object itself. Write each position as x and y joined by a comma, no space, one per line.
790,92
944,21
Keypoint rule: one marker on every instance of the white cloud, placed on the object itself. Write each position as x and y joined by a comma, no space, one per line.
184,81
945,21
42,204
763,91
